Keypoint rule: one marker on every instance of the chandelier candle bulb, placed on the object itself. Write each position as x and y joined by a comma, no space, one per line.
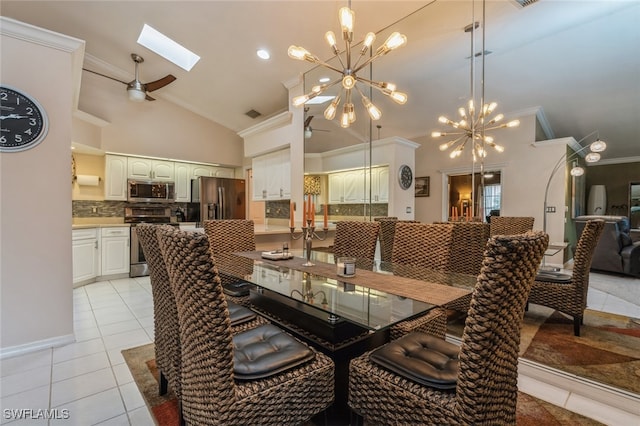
325,223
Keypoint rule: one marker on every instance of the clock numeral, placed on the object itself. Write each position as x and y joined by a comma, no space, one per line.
18,138
3,139
29,110
32,122
28,131
3,96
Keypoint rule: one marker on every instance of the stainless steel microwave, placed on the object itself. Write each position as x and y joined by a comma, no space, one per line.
151,191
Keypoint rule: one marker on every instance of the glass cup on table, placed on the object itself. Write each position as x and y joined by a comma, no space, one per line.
346,266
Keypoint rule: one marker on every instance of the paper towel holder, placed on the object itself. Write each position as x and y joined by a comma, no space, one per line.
75,179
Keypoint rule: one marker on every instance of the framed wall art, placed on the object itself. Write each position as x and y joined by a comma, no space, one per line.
422,186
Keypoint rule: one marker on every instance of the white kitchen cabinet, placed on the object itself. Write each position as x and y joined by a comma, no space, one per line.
225,173
272,176
182,173
115,252
379,185
202,170
85,255
115,177
146,169
353,186
336,188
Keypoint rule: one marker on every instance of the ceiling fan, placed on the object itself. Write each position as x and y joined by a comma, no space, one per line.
136,89
308,131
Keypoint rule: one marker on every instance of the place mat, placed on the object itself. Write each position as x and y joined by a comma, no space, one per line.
436,288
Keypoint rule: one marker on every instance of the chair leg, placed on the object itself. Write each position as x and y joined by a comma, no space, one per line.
577,320
180,416
163,384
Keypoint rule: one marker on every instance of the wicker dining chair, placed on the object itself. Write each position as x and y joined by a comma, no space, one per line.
211,392
423,244
165,314
387,232
482,385
570,295
510,225
356,239
426,246
228,236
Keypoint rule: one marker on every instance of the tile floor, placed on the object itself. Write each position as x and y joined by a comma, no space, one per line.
88,383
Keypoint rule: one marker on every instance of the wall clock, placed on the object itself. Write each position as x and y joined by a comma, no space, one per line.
405,176
23,121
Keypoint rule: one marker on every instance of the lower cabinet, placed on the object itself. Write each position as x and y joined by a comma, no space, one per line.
99,252
115,251
85,254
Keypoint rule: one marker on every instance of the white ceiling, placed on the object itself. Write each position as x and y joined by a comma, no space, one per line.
579,61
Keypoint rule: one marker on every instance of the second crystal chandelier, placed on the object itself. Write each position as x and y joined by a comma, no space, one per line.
349,76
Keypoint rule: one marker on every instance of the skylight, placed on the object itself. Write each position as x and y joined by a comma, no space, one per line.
319,100
154,40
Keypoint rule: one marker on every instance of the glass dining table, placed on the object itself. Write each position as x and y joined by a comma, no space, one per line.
341,316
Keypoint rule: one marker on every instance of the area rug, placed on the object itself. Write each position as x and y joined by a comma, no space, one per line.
164,409
607,351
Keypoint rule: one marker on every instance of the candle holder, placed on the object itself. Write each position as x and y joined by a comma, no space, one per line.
308,233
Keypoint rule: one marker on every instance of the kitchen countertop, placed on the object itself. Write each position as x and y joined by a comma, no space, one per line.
98,225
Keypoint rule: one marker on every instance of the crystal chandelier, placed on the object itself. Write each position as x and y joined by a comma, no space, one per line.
348,73
474,122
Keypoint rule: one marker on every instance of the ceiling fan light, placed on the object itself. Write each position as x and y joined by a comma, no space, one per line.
136,95
308,132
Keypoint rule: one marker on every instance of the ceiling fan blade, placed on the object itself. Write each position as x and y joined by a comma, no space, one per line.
308,121
106,76
158,84
149,98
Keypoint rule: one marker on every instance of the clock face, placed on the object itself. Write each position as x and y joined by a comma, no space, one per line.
23,121
405,176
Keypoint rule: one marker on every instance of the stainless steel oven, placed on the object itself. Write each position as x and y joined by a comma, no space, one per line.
149,215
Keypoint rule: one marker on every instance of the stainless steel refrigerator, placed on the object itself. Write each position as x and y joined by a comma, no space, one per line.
219,198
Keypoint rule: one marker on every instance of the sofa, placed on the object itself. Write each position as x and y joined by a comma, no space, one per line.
615,252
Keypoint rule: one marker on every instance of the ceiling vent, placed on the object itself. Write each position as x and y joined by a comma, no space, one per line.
523,3
252,113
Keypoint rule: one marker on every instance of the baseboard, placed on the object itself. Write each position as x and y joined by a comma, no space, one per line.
36,346
589,398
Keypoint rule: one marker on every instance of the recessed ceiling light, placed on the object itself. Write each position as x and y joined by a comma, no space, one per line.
319,100
324,79
159,43
263,54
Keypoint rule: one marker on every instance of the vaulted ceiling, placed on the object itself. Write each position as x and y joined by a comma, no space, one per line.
576,62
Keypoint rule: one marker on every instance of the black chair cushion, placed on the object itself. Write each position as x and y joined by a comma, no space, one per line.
422,358
236,288
553,277
267,350
239,314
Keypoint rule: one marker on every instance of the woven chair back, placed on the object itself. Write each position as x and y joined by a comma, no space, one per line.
506,225
356,239
230,235
423,244
583,256
205,329
387,232
487,388
165,314
468,243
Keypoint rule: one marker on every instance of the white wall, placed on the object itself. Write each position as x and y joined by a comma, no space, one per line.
154,129
35,190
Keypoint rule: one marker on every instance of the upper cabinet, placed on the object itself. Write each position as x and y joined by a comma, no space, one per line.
352,187
146,169
115,177
185,172
272,176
